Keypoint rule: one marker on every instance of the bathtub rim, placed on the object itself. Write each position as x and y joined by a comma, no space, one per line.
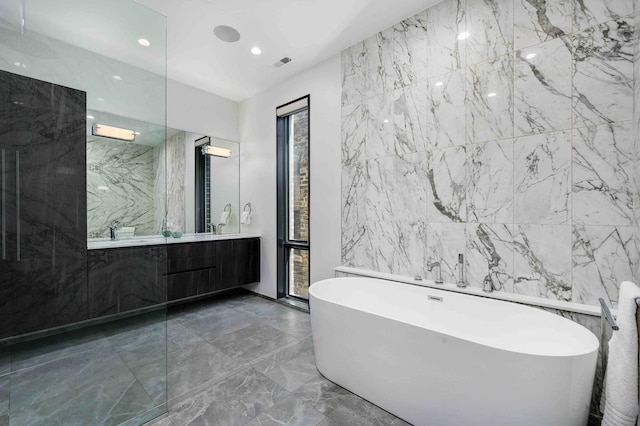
588,333
578,308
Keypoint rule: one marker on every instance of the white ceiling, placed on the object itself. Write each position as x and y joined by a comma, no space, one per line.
308,31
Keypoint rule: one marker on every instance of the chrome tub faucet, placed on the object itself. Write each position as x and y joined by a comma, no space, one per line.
432,265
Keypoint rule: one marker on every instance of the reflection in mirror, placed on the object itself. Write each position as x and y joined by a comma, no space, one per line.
125,179
203,189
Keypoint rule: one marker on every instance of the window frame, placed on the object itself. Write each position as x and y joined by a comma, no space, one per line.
285,245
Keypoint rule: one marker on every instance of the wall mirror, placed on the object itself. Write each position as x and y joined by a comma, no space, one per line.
203,183
145,179
125,176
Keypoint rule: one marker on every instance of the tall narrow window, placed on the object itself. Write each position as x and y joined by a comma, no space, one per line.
293,199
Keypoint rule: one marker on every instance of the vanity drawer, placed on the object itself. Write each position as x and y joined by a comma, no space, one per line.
175,251
187,284
184,264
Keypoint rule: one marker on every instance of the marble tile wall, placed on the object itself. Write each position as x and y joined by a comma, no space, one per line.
120,186
176,158
636,115
503,130
159,187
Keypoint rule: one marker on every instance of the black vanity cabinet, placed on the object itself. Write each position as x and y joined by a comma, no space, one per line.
43,193
238,262
124,279
201,268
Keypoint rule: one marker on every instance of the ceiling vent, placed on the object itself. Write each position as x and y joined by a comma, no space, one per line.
281,62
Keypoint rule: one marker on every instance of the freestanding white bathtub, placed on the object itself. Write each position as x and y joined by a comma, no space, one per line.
461,360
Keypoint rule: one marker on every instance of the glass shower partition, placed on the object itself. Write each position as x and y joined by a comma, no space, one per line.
81,342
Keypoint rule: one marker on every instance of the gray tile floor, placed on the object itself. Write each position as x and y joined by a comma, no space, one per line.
246,360
103,375
233,360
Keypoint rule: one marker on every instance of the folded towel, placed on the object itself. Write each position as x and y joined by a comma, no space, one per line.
245,218
224,218
621,387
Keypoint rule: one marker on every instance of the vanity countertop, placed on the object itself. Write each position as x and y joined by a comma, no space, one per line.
105,243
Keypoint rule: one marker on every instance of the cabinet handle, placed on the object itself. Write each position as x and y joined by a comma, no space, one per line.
18,206
4,204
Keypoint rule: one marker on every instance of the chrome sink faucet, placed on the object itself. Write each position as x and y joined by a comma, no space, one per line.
114,232
432,265
461,282
220,226
211,228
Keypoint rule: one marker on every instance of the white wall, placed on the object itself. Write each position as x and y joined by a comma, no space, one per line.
197,111
258,168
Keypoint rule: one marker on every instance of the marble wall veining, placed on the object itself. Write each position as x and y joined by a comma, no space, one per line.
120,186
503,130
636,115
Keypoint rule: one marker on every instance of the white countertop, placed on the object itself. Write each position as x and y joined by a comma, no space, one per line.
105,243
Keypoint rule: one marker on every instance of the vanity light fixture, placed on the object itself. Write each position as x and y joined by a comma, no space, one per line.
463,36
216,151
113,132
256,50
144,42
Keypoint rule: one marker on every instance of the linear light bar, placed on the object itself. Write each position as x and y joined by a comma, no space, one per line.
113,132
216,151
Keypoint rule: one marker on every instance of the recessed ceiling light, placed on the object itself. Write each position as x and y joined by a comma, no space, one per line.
90,117
144,42
117,78
463,35
226,33
100,99
20,65
491,94
438,84
137,133
256,50
385,121
530,56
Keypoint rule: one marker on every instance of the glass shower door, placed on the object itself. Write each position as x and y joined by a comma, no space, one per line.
62,360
